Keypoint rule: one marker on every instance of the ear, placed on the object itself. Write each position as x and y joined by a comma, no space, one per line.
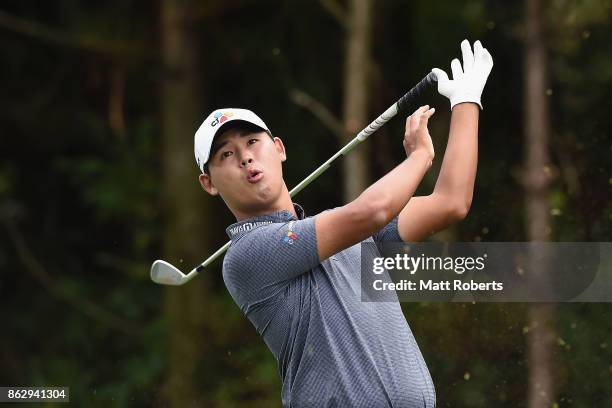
207,184
280,148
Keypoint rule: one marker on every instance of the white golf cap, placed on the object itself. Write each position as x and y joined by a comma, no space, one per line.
213,123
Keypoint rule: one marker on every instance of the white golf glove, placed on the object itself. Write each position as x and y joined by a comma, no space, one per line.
468,82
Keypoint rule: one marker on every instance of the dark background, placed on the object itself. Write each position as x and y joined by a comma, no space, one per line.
86,121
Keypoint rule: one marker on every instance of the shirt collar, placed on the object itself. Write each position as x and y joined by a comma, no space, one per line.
238,229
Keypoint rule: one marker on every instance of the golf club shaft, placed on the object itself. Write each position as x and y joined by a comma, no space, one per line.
399,106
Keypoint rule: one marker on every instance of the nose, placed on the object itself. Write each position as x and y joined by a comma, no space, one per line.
246,161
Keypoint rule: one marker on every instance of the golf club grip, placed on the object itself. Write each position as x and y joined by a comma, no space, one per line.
399,106
404,102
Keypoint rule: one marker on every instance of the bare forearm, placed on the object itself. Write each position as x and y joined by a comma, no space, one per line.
458,172
342,227
397,187
452,195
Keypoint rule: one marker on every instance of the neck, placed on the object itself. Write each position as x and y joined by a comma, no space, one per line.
284,202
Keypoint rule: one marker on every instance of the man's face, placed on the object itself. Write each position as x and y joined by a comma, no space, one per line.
245,169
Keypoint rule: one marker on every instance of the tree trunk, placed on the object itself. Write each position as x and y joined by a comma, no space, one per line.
541,335
184,203
356,169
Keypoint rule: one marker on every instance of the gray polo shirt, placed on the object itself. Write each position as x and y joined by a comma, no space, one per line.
332,349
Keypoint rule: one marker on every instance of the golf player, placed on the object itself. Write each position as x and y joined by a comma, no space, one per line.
297,277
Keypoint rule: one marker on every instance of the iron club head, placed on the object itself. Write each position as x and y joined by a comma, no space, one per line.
165,274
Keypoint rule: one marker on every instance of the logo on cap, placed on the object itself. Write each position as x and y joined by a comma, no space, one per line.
220,117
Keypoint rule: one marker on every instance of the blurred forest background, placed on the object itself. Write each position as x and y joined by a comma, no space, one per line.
99,103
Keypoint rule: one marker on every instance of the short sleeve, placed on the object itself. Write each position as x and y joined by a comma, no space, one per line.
388,233
262,261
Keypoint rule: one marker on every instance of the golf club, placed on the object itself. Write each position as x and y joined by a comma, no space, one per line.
164,273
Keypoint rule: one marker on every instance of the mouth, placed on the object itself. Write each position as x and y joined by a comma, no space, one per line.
254,175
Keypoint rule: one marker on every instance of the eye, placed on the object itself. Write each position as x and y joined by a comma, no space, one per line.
251,141
226,154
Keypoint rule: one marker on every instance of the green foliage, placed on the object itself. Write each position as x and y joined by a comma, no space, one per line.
85,196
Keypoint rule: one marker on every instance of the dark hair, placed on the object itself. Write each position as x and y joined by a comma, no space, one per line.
245,128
